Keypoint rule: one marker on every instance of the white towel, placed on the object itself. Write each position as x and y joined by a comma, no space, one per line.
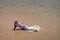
34,28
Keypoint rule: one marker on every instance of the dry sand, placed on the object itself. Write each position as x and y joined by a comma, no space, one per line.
46,14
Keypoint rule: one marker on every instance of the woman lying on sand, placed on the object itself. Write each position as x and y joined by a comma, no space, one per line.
34,28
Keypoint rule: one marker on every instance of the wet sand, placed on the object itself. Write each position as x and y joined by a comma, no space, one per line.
44,13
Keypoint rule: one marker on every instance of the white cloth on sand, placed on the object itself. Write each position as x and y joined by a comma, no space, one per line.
33,28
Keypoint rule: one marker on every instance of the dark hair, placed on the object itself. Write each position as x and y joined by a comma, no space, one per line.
15,23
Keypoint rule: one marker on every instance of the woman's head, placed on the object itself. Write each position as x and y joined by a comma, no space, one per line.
16,23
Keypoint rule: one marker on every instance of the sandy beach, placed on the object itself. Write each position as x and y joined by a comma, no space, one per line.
45,13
